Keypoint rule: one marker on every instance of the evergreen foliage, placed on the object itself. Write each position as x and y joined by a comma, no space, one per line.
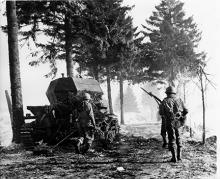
106,29
58,22
172,46
85,31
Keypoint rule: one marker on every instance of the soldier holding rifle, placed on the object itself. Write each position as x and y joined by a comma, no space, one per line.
163,124
174,112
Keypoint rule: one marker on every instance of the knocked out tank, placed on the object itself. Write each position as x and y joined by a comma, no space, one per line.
57,121
59,89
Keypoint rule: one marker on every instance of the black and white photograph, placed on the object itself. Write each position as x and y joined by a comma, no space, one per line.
109,89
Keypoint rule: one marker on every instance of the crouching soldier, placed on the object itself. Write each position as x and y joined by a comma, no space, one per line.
169,108
87,125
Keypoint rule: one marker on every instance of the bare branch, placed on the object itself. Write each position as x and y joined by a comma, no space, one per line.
209,81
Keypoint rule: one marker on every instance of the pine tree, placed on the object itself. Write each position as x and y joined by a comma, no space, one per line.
103,36
59,23
109,32
173,39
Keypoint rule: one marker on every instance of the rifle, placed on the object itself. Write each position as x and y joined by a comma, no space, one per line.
158,100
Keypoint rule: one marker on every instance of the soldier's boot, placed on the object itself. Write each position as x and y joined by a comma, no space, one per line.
179,153
173,159
165,145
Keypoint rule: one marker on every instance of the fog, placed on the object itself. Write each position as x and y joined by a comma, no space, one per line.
34,84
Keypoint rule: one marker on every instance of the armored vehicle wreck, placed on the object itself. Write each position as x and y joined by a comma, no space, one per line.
57,123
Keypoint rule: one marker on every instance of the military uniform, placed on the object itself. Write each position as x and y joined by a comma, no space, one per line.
86,126
163,132
168,108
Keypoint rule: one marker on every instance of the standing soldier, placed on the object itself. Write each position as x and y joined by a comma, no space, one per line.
87,125
170,107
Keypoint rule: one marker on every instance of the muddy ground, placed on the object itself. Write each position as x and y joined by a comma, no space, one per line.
132,157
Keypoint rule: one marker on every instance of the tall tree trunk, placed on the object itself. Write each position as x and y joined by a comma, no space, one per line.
96,72
14,66
171,77
68,47
121,98
184,92
203,107
109,90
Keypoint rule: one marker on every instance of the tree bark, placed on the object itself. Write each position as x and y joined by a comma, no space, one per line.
96,72
109,90
14,68
184,92
203,107
121,98
171,77
68,47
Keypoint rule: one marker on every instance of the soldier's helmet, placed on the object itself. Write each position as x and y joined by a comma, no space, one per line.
86,96
170,90
103,105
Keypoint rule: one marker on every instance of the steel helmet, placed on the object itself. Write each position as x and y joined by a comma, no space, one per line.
103,105
86,96
170,90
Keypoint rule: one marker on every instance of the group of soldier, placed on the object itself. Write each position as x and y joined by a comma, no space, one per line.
173,113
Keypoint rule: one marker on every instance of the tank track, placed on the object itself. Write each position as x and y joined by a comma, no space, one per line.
26,137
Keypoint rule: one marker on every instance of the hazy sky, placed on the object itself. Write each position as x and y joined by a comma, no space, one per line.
206,15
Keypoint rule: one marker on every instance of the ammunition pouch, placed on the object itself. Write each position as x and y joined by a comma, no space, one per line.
178,120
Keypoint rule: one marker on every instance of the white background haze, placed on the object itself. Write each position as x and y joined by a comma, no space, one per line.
34,85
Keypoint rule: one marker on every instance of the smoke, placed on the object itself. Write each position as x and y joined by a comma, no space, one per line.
148,108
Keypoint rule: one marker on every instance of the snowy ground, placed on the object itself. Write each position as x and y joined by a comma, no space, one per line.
138,155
